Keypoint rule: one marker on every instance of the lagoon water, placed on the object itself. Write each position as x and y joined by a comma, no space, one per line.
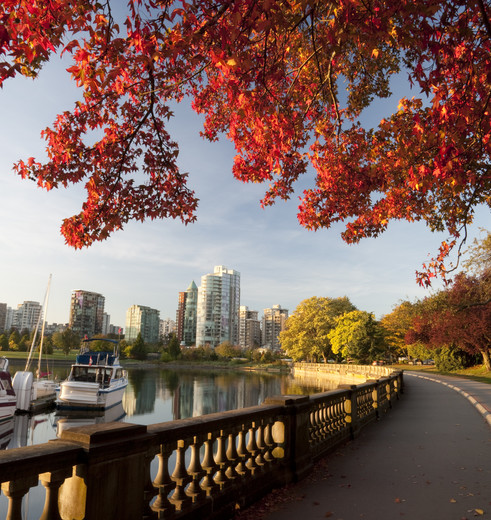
156,395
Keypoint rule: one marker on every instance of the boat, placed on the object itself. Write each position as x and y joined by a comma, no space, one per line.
96,381
35,394
8,399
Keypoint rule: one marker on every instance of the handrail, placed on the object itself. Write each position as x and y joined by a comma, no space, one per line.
201,467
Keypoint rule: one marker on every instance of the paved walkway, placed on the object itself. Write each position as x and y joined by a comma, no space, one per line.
429,458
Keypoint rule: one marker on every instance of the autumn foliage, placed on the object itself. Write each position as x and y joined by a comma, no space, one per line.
287,82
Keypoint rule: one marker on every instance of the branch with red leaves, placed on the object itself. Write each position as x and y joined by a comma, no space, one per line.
271,76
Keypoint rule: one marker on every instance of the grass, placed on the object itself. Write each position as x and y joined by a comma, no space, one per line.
476,373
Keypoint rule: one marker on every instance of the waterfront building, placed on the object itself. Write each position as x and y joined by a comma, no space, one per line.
217,316
3,317
167,327
273,323
26,316
249,328
186,315
142,320
106,323
86,313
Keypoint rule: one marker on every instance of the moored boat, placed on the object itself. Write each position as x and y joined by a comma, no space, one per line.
8,399
96,381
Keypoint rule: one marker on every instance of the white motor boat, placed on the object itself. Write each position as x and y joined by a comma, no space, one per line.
8,399
96,381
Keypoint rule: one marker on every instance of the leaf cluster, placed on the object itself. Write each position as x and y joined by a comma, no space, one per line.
272,76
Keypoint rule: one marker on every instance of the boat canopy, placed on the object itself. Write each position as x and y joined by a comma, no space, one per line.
96,358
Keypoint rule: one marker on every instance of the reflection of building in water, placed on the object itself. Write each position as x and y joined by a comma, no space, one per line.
139,397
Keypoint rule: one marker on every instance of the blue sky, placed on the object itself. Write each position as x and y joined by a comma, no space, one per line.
148,264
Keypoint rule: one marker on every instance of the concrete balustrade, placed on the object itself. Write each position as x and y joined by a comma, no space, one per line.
199,468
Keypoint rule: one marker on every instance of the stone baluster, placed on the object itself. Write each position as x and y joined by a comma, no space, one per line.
181,478
253,450
52,482
164,484
243,454
269,442
209,465
221,461
196,472
15,490
261,445
232,456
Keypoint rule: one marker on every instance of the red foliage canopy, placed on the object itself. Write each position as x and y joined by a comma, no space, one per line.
270,74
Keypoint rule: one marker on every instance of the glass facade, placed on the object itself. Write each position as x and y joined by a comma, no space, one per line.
217,316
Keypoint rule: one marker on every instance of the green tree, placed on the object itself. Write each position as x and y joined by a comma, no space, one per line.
14,340
173,347
396,325
358,336
66,340
138,349
227,350
307,329
4,342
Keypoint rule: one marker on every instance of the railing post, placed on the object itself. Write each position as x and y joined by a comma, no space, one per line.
351,408
113,470
296,437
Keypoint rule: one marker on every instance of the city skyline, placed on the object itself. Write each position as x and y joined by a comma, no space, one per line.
150,263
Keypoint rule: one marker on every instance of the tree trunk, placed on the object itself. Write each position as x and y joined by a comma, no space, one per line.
486,358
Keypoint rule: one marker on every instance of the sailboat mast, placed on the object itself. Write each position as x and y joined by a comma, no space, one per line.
45,309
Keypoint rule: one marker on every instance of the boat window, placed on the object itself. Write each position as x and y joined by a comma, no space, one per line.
118,373
85,374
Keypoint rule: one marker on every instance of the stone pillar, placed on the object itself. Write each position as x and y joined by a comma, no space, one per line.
351,408
110,481
296,435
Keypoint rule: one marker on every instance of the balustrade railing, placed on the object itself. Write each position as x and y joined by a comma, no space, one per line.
198,468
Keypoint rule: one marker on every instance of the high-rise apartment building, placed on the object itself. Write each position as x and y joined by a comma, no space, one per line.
144,320
218,307
190,316
26,316
86,313
186,315
274,320
249,328
3,317
166,327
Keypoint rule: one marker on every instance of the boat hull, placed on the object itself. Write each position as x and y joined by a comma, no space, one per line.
73,395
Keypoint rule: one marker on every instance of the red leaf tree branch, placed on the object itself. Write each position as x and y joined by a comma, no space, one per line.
272,76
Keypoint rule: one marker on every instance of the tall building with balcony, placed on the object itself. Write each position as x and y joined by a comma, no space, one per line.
3,317
273,323
26,316
186,315
218,307
86,313
249,328
144,320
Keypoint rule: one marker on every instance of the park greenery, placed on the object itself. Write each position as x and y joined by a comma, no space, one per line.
289,83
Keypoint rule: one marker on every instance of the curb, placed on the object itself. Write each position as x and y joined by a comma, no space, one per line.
481,408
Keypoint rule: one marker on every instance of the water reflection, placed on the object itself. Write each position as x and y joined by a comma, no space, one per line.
159,395
155,396
70,419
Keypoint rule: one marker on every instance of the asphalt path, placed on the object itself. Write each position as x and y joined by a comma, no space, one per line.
429,458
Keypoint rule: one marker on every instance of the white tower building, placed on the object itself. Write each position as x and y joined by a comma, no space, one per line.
218,307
